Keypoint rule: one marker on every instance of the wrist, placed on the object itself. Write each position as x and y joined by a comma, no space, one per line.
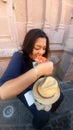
39,70
36,72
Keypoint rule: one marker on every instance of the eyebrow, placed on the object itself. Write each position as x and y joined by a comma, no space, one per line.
39,46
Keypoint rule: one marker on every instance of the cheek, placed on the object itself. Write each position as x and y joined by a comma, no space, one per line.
34,52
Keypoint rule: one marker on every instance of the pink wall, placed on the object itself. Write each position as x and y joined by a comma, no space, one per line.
18,16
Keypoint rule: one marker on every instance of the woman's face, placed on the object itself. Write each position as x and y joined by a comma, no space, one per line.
39,48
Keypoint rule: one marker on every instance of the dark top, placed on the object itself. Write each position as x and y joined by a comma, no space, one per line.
17,66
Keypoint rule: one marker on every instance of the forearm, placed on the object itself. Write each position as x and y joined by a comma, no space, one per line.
15,86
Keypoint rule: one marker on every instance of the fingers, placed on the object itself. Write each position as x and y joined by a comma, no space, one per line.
45,68
49,68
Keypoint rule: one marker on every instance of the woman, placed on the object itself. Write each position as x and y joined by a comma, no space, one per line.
20,74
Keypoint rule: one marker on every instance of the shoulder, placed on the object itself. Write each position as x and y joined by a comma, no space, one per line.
17,58
17,55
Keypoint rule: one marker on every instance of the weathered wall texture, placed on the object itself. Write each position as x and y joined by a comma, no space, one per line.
18,16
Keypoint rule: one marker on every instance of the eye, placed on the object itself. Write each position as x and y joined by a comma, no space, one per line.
36,48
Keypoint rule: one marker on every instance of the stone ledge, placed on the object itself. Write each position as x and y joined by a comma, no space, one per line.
68,49
7,52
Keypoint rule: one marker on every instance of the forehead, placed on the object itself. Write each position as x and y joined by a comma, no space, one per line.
40,41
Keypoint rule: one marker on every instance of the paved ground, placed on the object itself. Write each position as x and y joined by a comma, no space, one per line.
14,116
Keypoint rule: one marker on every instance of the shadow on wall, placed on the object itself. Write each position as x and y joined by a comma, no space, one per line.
63,66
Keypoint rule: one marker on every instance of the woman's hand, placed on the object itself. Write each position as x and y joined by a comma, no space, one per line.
45,68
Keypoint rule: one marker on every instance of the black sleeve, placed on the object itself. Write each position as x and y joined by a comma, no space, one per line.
14,68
